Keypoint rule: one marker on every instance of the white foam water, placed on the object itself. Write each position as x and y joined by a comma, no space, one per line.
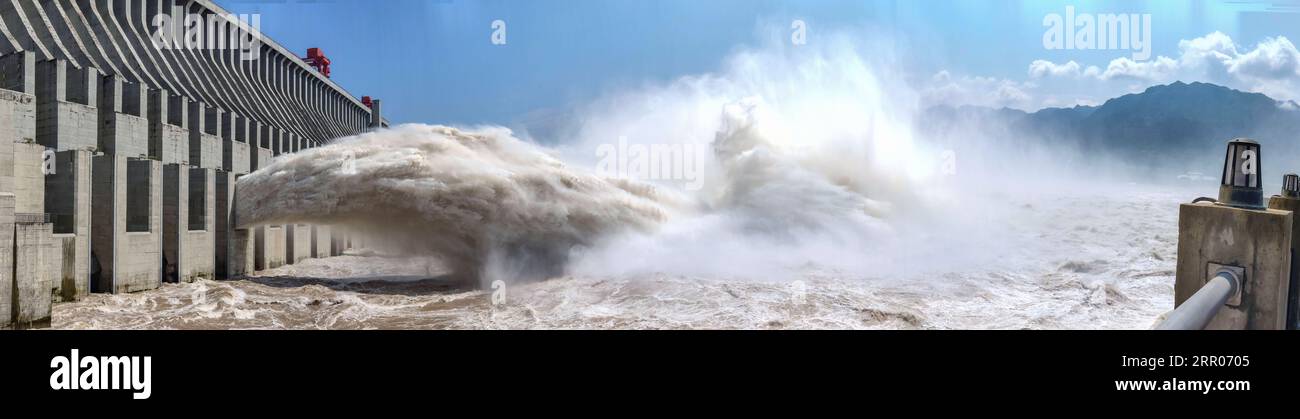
1091,261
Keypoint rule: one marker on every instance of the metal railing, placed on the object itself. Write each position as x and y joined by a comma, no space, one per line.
32,218
1201,307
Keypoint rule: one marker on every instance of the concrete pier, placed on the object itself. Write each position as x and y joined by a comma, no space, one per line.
168,137
68,201
270,247
299,243
66,118
235,250
320,241
34,256
126,224
17,109
122,109
235,154
189,233
37,260
205,143
6,260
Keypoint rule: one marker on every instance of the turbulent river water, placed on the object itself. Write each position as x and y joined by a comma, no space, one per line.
810,199
1076,261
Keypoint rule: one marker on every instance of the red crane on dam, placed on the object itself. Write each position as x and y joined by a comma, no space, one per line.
317,59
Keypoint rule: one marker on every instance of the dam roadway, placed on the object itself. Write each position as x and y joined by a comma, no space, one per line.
119,153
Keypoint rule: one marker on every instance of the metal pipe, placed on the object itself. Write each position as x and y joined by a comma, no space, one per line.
1197,311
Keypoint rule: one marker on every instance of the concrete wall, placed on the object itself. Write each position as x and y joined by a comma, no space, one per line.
66,118
28,178
342,239
269,247
189,253
68,201
269,242
298,243
261,157
17,110
234,246
6,259
205,147
124,128
125,261
168,138
320,241
37,259
1260,242
235,157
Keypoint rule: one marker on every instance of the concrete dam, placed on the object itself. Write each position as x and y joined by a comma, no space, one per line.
121,141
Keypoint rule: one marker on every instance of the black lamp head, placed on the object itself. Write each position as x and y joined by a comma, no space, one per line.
1240,184
1291,186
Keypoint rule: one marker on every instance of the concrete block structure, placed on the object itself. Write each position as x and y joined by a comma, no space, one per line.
168,138
34,257
299,243
261,157
66,118
188,228
337,241
6,260
269,247
28,178
17,110
1290,201
269,242
68,202
1260,245
123,126
36,262
235,250
235,154
126,224
204,136
320,241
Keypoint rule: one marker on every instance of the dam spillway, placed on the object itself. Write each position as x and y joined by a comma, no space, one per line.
119,153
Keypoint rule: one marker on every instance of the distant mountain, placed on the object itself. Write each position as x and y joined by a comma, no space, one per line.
1166,122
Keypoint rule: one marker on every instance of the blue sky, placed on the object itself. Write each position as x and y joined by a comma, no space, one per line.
433,60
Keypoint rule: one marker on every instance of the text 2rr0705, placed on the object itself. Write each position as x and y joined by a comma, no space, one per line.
1221,361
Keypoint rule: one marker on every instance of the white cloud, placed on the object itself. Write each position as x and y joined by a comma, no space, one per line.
1161,68
1044,68
1211,51
947,89
1272,59
1271,67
